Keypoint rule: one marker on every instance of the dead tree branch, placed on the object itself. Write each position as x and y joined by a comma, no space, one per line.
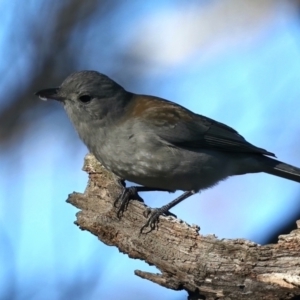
204,266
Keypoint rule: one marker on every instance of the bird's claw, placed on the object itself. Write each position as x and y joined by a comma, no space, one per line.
131,193
153,215
127,195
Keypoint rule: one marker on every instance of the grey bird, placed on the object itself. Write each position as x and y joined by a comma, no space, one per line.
156,143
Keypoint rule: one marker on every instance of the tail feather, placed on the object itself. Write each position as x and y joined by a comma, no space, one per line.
281,169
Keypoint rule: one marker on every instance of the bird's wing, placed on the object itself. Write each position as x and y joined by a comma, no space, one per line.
182,128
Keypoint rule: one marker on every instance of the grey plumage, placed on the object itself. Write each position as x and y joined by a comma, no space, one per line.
157,143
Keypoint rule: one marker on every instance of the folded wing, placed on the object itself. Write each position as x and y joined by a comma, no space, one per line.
182,128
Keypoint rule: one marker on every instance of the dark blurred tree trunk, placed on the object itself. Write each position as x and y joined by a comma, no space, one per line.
52,58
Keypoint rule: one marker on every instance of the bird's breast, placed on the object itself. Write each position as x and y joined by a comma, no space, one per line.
146,160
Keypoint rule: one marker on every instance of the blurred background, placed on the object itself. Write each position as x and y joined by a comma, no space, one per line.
234,61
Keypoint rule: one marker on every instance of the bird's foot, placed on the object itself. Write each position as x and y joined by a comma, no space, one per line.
131,193
128,194
164,210
153,216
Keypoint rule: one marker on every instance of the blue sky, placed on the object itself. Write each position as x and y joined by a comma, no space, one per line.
253,87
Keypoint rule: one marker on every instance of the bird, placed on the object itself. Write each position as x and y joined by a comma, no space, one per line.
155,143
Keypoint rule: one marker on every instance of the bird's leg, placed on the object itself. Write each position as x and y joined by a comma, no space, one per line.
132,193
155,213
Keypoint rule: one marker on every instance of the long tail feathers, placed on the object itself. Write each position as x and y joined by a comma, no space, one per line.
281,169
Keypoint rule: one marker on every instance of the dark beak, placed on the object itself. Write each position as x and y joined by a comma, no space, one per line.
49,94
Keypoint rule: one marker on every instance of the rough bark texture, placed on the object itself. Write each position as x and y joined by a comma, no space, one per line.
204,266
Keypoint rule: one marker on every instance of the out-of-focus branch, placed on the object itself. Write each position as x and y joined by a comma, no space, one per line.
204,266
51,58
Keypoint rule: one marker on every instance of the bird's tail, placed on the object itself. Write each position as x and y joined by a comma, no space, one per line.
281,169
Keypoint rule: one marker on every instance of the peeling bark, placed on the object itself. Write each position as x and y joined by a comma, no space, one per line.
204,266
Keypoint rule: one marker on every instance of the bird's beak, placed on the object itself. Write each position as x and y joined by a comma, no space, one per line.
50,94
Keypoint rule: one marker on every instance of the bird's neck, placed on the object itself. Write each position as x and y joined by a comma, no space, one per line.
99,128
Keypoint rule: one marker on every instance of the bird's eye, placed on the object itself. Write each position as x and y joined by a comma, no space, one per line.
85,98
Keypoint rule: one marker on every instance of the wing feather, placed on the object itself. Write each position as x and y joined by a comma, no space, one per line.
182,128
